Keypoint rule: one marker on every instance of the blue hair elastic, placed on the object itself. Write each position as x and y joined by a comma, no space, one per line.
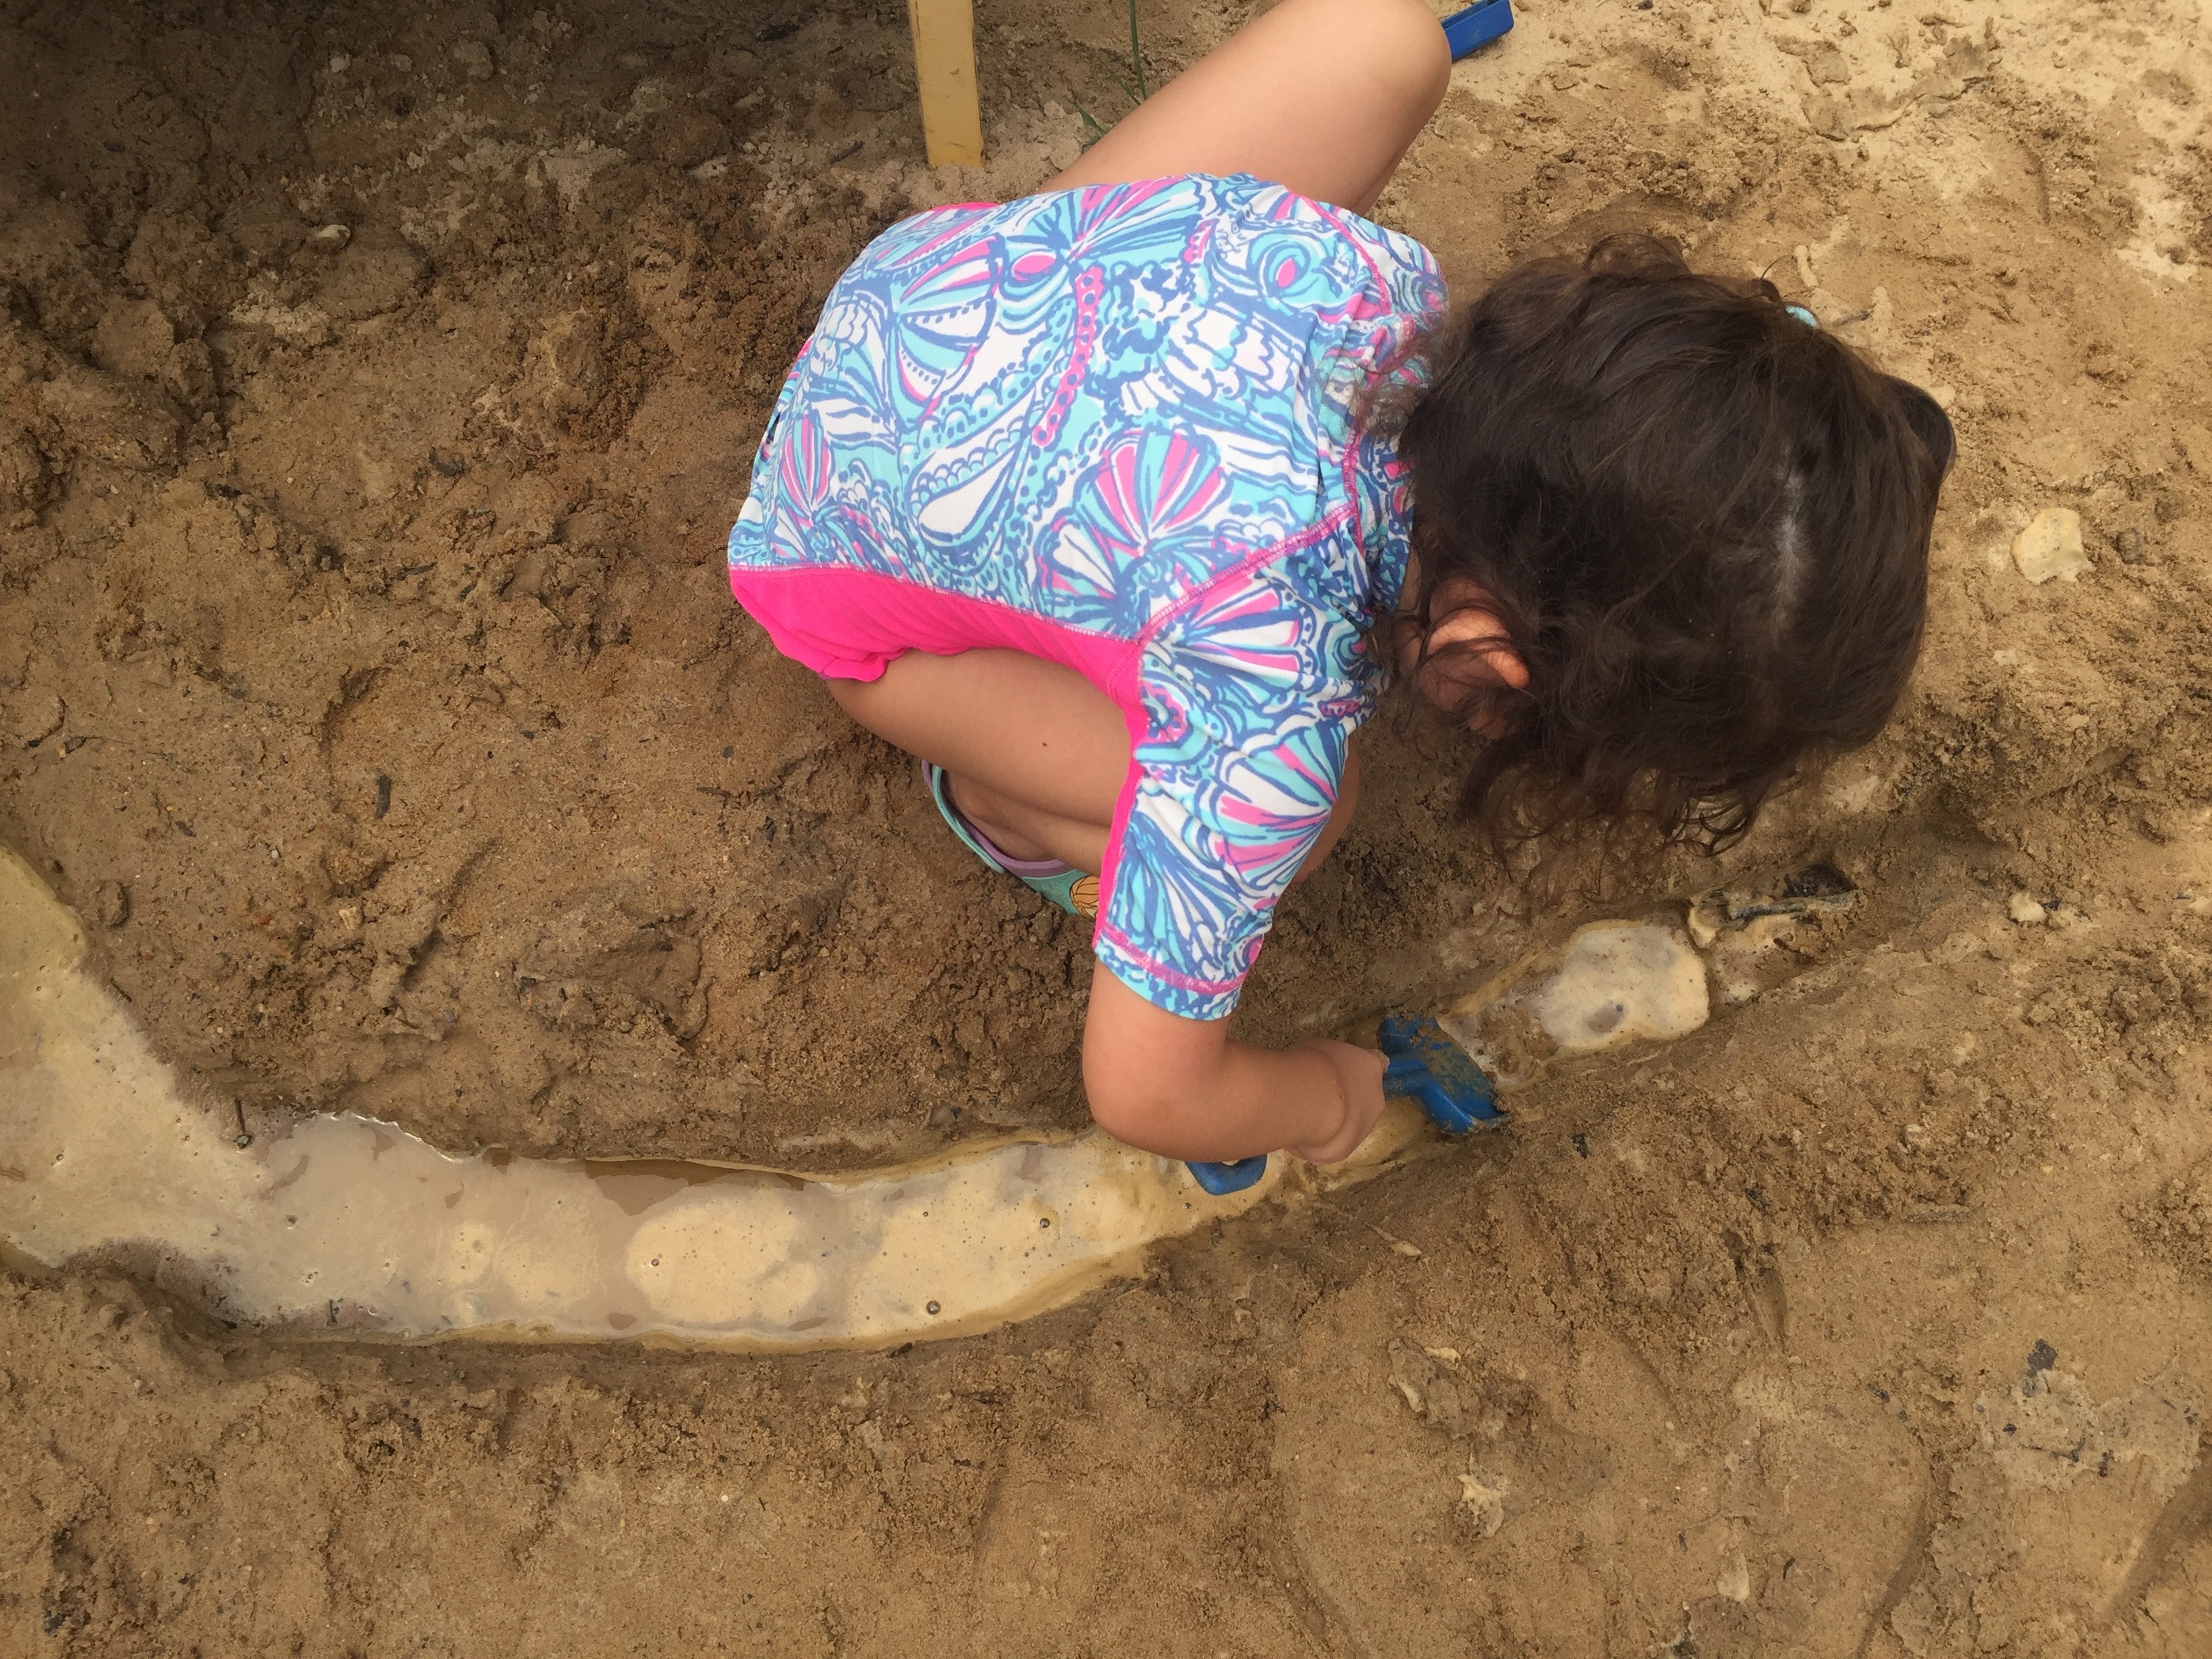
1803,315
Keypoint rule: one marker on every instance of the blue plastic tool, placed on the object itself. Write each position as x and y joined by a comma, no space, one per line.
1425,1066
1477,27
1436,1074
1222,1179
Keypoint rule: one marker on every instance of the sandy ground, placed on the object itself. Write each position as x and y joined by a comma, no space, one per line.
369,684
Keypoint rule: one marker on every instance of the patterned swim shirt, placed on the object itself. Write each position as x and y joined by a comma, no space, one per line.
1118,428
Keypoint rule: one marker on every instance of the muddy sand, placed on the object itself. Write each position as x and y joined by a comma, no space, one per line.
376,387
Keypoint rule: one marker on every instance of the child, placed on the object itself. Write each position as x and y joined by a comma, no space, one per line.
1099,501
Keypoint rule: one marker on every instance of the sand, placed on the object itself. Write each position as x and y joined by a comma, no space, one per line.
376,387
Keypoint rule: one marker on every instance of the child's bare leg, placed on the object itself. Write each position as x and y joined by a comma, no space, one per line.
1322,95
1036,752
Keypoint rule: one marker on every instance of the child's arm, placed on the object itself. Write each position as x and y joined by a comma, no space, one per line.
1181,1088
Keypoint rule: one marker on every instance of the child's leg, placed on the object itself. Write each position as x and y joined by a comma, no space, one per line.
1322,95
1037,754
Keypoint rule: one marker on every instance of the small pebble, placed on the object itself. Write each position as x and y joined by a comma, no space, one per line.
111,904
2128,545
331,238
1828,67
933,1307
2025,910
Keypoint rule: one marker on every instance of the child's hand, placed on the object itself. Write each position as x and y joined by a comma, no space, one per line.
1359,1076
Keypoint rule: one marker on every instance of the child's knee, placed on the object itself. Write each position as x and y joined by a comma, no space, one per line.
1410,53
1393,50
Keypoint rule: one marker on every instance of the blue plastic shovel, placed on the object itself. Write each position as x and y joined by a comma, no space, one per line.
1477,27
1425,1066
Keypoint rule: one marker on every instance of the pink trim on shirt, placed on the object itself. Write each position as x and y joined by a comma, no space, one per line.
1159,969
848,624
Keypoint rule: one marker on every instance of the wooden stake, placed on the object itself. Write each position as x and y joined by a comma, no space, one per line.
944,73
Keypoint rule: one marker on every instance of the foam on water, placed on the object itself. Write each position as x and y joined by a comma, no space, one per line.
348,1223
1617,982
1613,982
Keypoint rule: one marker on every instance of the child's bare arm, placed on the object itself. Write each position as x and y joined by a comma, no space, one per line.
1181,1088
1322,95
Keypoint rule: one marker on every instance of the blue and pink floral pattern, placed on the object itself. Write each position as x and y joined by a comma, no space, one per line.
1133,411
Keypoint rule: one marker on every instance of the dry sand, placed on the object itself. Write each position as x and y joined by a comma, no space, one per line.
376,384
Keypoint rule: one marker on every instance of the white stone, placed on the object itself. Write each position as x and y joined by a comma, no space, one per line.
2025,910
2051,546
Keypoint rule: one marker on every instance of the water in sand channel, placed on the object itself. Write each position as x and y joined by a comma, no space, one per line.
350,1224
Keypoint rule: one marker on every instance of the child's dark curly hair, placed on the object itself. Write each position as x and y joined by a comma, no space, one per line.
1704,525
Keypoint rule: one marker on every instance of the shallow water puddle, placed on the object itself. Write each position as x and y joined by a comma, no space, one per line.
352,1225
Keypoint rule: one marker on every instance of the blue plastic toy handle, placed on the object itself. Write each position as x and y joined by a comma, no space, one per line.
1477,27
1222,1179
1436,1074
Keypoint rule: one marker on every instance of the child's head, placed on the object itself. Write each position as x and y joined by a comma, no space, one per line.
1700,524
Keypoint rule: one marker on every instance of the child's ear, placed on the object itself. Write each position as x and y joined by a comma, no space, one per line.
1490,644
1468,649
1468,652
